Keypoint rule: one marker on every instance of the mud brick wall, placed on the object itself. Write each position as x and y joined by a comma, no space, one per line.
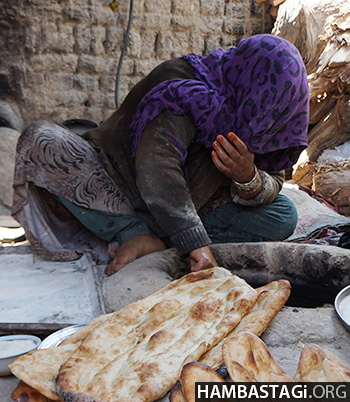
58,58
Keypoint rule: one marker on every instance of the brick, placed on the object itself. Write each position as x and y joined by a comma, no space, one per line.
183,23
128,66
139,7
52,82
90,64
85,82
82,39
234,27
102,15
181,44
185,7
197,42
58,38
135,44
235,9
158,7
210,8
148,44
33,38
98,37
8,140
154,21
107,84
82,13
210,44
114,39
39,2
68,63
230,40
109,101
144,67
164,46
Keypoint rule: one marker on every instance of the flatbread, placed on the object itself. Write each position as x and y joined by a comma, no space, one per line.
176,394
25,393
138,354
39,368
270,300
196,372
77,337
320,365
247,359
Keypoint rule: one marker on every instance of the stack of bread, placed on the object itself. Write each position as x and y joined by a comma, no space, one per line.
138,353
247,359
168,341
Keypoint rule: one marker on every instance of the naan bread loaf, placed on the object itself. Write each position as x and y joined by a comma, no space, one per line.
138,354
271,299
247,359
176,394
25,393
320,365
196,372
39,368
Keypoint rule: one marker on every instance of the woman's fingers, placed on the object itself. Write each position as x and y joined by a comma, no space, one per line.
233,159
202,258
217,162
224,157
231,152
238,143
228,148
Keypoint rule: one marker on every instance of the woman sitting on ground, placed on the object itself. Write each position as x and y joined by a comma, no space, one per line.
195,155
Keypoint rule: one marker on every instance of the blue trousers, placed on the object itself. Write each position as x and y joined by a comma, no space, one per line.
229,223
232,223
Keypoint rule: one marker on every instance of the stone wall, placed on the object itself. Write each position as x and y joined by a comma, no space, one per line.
58,58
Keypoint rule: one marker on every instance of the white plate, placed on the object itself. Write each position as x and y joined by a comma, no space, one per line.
342,306
57,337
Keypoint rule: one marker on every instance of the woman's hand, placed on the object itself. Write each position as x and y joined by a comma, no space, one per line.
233,158
202,258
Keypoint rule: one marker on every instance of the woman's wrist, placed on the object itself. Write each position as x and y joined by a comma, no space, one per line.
251,185
250,189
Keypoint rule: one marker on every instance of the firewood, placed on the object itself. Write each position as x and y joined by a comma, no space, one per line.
303,173
320,107
276,2
332,179
320,30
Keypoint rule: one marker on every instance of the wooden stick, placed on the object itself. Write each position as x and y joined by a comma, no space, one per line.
276,2
39,329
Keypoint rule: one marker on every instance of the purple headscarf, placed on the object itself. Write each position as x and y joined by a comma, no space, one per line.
258,90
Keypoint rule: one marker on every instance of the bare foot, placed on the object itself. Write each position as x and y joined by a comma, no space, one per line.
133,248
113,250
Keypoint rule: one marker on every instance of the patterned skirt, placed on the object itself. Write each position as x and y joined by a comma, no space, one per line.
52,159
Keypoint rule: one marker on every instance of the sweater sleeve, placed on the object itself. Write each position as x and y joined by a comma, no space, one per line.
161,180
271,186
